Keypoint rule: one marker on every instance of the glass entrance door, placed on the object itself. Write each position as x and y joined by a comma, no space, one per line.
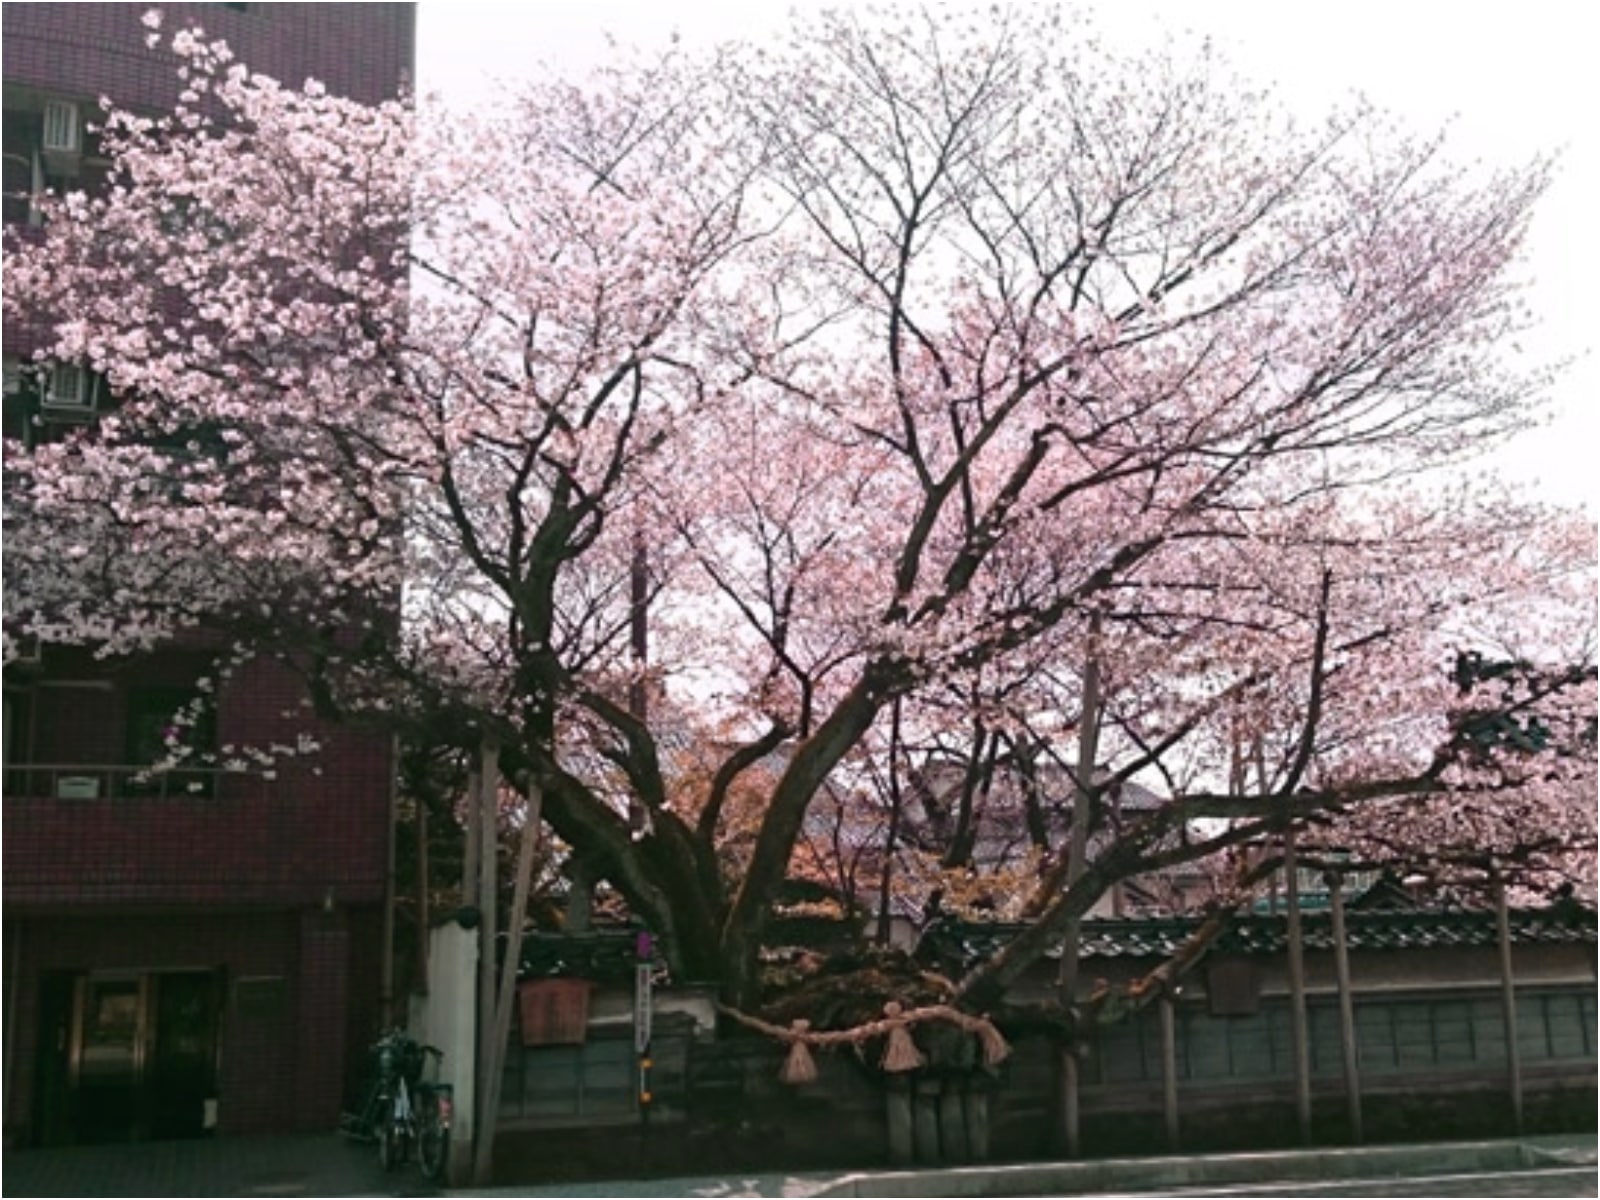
143,1061
108,1056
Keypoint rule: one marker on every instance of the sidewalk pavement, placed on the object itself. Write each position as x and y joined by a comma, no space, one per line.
322,1164
1215,1174
327,1165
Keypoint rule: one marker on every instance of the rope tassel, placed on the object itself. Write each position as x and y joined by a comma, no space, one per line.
902,1053
995,1047
799,1066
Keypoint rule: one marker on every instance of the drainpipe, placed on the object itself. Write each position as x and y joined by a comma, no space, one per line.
386,967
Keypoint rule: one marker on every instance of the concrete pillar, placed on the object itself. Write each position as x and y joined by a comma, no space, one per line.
445,1018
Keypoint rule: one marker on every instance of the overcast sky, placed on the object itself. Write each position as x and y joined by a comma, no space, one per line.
1513,79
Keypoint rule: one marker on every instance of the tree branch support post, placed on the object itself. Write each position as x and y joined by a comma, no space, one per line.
483,1163
1169,1067
1347,1008
486,802
389,1002
1077,853
886,881
1297,990
1508,1001
424,895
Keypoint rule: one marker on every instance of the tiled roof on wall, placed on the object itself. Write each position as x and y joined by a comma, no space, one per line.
1263,934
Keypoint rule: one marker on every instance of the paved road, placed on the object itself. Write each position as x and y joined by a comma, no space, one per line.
1542,1181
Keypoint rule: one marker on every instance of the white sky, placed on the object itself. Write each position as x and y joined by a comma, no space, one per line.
1514,79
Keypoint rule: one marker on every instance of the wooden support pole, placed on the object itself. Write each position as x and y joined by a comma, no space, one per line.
487,802
422,980
388,1001
505,994
1169,1068
1297,991
1347,1009
1077,853
1508,1002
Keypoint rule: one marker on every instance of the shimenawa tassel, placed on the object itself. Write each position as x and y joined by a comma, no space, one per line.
799,1066
902,1053
995,1046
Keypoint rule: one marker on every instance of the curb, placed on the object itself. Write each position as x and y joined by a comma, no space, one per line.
1175,1172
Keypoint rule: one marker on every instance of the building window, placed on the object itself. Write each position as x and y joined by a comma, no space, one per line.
49,147
42,402
161,718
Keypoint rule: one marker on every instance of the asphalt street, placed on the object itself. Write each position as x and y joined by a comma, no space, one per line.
1542,1181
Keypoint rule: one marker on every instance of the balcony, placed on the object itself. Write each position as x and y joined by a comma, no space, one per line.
100,781
85,834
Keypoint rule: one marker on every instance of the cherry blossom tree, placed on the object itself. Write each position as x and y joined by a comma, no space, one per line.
963,356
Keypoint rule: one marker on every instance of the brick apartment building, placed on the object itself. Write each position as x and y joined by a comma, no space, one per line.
199,950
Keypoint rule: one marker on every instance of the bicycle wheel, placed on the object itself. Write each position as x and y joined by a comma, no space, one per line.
433,1138
388,1148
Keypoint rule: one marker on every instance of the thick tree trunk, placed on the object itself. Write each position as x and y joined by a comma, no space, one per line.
661,875
813,759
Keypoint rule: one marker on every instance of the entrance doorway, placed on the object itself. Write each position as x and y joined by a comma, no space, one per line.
140,1055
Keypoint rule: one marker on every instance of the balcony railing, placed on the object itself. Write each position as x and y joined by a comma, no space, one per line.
103,781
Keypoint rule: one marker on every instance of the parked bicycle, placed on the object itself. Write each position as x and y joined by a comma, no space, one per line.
406,1107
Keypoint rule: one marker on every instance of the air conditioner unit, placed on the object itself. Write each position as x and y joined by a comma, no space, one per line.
62,132
70,390
78,787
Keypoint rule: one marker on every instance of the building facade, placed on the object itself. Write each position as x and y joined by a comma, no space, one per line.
200,950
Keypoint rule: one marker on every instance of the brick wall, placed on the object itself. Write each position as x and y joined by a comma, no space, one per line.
317,827
91,50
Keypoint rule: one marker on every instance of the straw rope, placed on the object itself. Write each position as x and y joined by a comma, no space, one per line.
900,1054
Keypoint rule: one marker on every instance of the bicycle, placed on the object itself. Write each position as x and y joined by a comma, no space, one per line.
403,1109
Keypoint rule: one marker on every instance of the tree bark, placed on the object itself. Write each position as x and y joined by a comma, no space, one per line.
814,758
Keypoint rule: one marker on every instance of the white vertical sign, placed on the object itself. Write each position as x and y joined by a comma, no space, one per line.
642,1008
